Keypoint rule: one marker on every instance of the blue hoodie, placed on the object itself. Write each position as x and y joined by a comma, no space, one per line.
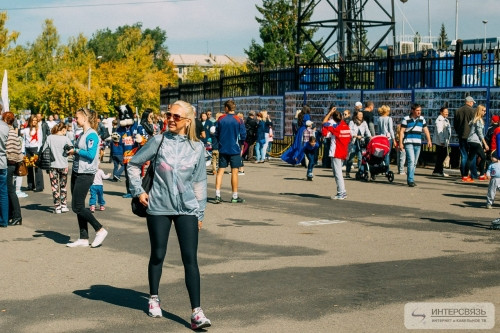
229,130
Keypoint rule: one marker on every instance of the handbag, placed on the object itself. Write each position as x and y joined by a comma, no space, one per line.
147,182
45,159
21,169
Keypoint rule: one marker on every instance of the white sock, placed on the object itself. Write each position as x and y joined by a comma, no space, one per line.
19,183
217,193
235,195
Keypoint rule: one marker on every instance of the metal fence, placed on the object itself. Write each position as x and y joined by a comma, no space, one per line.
428,69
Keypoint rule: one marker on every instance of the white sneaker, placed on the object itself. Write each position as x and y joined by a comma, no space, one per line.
198,320
79,243
154,307
99,238
21,194
64,209
57,210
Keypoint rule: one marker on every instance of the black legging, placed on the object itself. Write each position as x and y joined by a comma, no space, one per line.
475,149
80,185
186,227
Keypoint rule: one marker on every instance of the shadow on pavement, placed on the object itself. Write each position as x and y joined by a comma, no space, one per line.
465,196
118,194
305,195
55,236
124,297
36,206
462,223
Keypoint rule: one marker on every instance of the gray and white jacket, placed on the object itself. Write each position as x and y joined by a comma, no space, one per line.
442,131
180,178
476,134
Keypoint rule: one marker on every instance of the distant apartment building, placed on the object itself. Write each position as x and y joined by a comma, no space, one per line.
184,62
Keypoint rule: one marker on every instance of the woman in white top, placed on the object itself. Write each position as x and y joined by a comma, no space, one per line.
359,132
33,138
442,135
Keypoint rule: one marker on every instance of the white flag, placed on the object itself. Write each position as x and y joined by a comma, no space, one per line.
5,93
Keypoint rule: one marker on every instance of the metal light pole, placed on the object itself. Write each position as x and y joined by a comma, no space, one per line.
485,22
456,20
90,79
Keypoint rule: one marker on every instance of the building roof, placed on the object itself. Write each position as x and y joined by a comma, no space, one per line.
183,60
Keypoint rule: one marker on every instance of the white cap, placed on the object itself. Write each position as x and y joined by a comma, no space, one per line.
309,123
358,104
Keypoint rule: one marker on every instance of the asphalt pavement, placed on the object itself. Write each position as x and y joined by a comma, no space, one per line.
289,259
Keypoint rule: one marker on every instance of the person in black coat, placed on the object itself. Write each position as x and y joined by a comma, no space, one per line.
251,128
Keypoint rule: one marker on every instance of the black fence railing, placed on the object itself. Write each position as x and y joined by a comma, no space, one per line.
430,69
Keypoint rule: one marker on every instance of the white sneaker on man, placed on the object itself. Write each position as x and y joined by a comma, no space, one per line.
64,209
99,237
79,243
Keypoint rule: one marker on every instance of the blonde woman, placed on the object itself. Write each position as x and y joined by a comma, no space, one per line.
178,196
477,143
85,166
386,128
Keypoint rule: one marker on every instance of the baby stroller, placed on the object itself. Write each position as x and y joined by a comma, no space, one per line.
372,162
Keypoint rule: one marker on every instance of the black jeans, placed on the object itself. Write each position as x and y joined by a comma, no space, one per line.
186,227
441,152
475,149
14,207
35,175
80,185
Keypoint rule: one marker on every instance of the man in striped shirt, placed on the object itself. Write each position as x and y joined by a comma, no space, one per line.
412,127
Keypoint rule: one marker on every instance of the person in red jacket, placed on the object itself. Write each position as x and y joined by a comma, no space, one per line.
340,136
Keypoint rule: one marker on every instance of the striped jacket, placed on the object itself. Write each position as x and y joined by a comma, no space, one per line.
13,147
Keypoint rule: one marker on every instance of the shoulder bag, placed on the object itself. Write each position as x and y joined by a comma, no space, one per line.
147,182
21,169
45,159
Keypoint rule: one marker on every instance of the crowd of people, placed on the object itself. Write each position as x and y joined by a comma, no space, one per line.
182,148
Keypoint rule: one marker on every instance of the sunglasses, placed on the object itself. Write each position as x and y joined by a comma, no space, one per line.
174,116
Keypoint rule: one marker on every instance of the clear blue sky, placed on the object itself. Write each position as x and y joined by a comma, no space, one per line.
226,26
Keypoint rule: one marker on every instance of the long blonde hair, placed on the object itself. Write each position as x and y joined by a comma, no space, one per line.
478,116
189,113
91,116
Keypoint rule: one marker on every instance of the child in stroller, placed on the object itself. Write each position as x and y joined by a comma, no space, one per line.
372,162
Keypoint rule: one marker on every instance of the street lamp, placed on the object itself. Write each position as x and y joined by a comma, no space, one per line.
485,22
90,79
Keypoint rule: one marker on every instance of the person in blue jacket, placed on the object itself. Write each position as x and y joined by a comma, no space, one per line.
230,129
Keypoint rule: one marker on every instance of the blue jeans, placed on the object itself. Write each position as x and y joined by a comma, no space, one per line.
4,198
354,150
412,153
118,165
96,192
260,151
463,145
312,161
387,158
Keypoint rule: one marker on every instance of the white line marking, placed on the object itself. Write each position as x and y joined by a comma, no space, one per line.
320,222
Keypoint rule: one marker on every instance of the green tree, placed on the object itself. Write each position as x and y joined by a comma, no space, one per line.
278,32
443,38
105,43
360,43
